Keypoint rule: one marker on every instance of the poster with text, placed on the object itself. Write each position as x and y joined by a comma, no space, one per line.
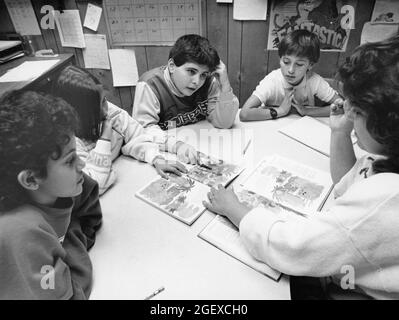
330,20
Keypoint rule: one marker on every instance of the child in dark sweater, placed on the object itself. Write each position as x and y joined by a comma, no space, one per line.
49,209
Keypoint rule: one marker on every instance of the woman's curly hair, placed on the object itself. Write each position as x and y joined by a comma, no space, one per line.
34,127
370,79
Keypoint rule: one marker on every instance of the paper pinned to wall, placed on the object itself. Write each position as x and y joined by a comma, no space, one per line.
95,54
385,11
250,10
124,67
23,17
377,32
93,16
70,28
224,1
28,70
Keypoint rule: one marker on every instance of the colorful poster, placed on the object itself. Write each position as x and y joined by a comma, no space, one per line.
330,20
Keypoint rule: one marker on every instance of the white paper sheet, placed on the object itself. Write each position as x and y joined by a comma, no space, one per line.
385,11
95,54
224,1
23,17
28,70
93,16
250,10
70,28
124,67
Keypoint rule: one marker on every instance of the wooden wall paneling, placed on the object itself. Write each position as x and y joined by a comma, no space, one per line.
234,52
254,56
273,62
142,66
156,56
49,39
363,12
327,64
204,18
217,25
6,24
105,76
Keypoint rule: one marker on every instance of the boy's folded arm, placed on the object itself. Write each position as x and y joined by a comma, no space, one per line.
146,106
98,163
222,106
252,111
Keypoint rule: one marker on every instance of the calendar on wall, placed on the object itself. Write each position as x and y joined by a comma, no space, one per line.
151,22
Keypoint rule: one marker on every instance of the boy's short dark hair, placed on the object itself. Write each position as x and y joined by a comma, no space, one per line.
196,49
34,127
301,43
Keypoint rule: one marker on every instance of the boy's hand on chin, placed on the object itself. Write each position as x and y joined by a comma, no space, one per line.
222,76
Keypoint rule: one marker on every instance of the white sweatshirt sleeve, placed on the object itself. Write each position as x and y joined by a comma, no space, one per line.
98,163
146,106
222,106
314,246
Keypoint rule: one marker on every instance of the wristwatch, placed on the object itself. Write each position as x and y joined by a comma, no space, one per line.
273,113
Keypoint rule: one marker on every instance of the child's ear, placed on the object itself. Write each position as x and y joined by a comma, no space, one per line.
27,180
171,65
310,66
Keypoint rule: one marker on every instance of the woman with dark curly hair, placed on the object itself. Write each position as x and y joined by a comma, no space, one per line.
351,249
49,210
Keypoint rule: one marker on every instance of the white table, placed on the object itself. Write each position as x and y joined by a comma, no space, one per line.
140,248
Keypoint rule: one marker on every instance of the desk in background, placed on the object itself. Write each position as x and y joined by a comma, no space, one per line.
40,83
140,248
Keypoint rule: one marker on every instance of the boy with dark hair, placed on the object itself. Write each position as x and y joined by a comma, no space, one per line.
293,85
193,86
49,210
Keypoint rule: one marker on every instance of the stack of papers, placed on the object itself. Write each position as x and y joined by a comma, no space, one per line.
28,70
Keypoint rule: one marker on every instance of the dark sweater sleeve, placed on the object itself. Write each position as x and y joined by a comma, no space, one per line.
87,210
85,221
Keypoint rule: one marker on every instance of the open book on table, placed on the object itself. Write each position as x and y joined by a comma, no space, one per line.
276,184
181,197
312,133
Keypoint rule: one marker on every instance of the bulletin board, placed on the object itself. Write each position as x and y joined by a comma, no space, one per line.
151,22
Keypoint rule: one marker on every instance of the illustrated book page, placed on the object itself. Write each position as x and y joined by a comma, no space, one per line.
290,184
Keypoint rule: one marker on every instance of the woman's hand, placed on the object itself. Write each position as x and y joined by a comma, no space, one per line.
340,120
186,153
162,166
225,202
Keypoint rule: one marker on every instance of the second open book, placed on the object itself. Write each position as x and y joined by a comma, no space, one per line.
277,184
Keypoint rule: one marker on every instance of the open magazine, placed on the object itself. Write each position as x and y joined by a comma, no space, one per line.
277,184
182,196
